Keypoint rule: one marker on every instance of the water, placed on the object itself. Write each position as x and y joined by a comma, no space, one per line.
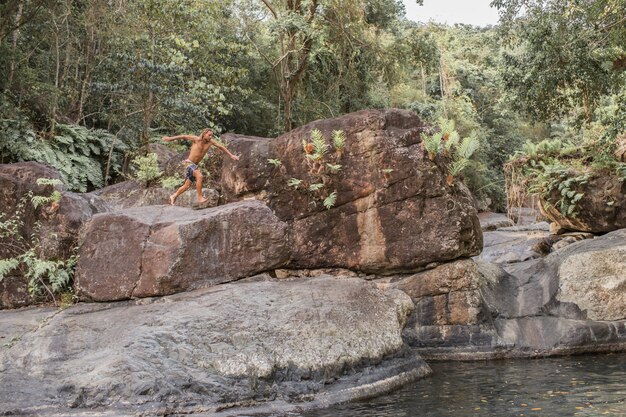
556,387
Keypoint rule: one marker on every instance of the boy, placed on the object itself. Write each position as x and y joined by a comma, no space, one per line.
199,148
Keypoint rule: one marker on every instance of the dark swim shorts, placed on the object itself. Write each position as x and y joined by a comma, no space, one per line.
190,169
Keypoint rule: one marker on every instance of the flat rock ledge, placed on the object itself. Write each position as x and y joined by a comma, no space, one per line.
262,346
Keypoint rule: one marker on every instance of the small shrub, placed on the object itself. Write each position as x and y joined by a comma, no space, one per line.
147,168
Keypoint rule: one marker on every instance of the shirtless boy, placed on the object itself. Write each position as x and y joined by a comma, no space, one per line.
199,148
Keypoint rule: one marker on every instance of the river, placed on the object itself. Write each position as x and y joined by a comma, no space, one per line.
591,385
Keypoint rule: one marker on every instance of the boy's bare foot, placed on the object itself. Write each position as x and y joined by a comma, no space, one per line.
203,200
172,199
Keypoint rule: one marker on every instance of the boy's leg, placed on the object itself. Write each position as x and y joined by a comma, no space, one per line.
178,192
198,175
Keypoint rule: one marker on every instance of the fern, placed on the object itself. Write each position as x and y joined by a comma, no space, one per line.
330,201
432,144
316,186
320,147
334,168
457,166
274,162
294,182
452,142
339,139
6,266
467,147
447,127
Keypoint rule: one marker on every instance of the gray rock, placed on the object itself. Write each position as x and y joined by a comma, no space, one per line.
490,221
592,274
160,250
294,342
506,246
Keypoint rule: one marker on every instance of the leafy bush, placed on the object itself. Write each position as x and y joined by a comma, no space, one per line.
147,168
556,171
79,154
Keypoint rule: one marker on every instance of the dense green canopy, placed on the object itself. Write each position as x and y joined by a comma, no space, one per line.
87,84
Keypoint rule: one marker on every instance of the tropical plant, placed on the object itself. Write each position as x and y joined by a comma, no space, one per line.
320,146
432,144
339,139
330,201
45,276
294,182
147,168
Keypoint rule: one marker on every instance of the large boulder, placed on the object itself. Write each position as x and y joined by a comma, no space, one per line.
593,276
602,209
160,250
571,301
446,295
287,344
393,211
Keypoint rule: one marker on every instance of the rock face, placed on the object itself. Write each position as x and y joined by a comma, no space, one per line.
601,210
293,342
571,301
130,194
446,295
393,209
161,250
593,276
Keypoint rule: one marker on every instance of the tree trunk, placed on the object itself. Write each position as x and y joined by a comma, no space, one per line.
14,38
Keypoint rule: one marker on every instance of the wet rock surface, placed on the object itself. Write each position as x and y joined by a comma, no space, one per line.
244,344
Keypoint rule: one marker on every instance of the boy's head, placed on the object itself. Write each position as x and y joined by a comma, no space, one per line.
206,134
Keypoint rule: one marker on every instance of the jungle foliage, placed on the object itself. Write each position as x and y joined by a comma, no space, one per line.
85,85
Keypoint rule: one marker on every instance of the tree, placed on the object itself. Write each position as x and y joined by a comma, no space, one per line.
565,54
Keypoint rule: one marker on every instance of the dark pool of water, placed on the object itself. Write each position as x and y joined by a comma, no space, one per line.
593,385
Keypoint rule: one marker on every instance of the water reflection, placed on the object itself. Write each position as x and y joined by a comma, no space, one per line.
575,386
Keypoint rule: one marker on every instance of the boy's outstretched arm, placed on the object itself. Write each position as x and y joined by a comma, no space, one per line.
186,137
226,151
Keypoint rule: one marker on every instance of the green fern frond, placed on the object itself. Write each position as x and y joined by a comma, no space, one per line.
274,162
457,167
467,147
334,167
452,142
320,147
294,182
49,181
330,201
432,144
339,139
317,186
